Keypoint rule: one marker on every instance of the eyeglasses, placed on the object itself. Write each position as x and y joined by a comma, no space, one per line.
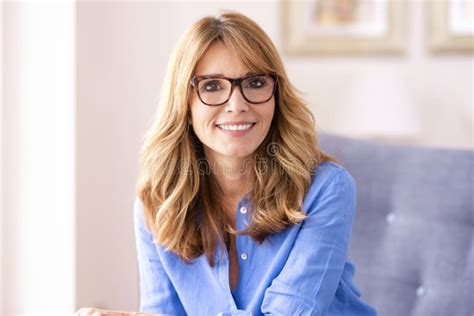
216,90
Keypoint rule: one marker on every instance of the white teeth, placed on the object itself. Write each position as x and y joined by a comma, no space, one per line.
235,127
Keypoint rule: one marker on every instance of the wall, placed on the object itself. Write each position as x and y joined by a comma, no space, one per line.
38,226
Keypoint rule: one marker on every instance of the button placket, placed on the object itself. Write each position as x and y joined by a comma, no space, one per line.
243,242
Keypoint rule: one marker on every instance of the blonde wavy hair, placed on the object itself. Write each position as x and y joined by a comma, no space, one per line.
182,208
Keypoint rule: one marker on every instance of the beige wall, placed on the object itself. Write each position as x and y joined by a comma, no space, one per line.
38,205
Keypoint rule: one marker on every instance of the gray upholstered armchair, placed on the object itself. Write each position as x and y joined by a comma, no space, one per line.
412,240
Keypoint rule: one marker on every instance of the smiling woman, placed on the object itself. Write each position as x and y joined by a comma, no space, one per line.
238,210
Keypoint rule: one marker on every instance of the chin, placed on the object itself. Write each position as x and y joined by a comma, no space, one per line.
238,152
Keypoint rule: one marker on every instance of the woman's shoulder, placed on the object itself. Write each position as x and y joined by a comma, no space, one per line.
327,171
330,179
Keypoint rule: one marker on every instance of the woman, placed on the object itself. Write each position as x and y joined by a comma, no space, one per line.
238,210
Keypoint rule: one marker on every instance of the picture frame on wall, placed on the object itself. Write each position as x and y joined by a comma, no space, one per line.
331,27
450,25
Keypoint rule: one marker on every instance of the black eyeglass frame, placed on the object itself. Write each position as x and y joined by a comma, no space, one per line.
234,82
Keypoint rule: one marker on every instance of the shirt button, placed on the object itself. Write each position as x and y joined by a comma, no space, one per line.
244,256
243,210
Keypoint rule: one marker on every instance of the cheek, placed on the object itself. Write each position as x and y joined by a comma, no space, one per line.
202,117
268,113
196,112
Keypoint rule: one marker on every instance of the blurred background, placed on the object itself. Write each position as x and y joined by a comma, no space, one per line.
80,85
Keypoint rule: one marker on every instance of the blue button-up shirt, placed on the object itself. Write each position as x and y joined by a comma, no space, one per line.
302,270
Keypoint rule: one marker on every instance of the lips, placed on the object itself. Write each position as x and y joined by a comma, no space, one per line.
235,127
236,130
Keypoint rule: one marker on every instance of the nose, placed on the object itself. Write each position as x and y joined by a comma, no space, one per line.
236,102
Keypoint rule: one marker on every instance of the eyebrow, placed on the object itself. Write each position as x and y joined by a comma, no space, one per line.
246,74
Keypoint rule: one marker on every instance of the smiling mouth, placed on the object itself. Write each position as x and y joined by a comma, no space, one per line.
239,127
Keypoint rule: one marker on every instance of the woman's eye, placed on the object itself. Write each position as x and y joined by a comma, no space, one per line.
257,83
210,86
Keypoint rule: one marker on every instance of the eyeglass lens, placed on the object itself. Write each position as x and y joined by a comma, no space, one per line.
217,90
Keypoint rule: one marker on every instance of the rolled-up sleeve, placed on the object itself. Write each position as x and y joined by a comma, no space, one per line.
157,293
308,281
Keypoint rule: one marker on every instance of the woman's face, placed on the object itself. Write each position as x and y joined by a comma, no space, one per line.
208,121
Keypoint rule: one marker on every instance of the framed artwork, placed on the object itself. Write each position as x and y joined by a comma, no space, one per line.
450,25
344,26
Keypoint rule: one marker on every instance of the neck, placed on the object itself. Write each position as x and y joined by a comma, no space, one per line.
232,175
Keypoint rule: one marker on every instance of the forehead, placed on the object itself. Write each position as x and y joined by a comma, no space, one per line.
219,60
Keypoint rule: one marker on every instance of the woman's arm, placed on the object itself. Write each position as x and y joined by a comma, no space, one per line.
309,279
157,293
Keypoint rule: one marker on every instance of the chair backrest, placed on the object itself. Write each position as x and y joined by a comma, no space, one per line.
412,239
